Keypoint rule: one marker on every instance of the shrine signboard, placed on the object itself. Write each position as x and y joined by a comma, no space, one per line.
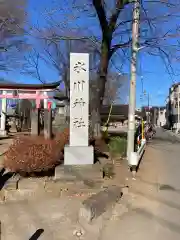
79,152
79,99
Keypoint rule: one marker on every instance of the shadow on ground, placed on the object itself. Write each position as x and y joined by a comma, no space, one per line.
98,154
37,234
4,177
10,136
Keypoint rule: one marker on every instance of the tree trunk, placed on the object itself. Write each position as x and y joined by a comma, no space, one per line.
99,96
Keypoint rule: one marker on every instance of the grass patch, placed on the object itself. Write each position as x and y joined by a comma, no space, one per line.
118,146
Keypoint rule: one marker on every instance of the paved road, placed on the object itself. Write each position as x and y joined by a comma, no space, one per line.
151,209
167,135
55,217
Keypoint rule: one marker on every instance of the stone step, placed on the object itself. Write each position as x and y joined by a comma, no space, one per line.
81,173
21,189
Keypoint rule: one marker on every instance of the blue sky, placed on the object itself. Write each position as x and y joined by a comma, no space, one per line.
156,79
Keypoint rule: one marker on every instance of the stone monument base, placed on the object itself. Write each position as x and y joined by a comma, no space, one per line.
78,155
3,133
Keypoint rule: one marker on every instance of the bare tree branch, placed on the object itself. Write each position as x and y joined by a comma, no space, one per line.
12,42
115,47
98,4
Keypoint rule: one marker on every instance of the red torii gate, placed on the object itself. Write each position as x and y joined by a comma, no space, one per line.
37,92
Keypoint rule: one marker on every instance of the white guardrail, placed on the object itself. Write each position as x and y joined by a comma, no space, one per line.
135,157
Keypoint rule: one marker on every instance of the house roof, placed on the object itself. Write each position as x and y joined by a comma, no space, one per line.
118,109
154,107
60,96
118,112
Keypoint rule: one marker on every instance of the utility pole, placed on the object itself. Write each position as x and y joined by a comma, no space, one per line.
148,106
148,109
132,95
178,111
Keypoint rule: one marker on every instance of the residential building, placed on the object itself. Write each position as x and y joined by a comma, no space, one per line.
147,113
161,119
173,107
155,115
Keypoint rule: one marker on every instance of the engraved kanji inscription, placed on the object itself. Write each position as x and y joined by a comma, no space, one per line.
78,122
79,67
79,101
79,85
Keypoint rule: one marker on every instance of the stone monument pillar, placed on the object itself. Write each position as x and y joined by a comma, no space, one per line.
3,115
79,152
48,123
61,114
35,121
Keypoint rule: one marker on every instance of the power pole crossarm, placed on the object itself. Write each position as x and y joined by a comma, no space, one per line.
132,96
